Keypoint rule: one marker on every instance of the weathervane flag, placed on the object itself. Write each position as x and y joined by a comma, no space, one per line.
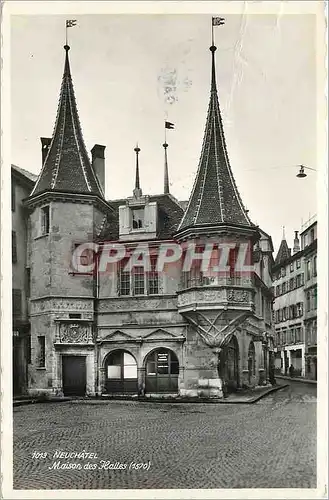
169,125
217,21
70,23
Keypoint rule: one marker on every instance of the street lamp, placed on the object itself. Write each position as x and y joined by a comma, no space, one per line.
302,173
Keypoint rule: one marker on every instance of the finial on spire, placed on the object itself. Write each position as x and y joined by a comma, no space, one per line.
283,233
137,191
166,173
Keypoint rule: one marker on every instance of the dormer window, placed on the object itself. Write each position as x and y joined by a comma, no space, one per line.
137,218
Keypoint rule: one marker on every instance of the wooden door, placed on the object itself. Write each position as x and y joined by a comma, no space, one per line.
74,375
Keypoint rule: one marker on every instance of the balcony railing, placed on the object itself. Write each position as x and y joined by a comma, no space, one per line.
209,281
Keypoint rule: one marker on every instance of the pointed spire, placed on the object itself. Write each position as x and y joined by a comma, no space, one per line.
66,166
166,172
215,198
137,191
284,251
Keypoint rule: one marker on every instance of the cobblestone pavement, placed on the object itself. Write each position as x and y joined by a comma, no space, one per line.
270,444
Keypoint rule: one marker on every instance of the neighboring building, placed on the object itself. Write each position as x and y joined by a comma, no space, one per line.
22,183
294,310
309,248
133,331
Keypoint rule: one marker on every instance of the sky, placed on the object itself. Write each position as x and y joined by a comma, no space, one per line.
130,72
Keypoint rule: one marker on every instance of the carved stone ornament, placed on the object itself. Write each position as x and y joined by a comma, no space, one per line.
237,295
74,333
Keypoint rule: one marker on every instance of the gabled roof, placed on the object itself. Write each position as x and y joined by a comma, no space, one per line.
283,252
215,198
28,176
169,215
67,166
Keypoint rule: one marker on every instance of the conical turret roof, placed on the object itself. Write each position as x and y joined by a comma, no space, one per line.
67,166
215,198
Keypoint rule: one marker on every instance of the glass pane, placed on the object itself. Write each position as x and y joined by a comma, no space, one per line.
128,359
114,371
115,358
150,368
174,368
130,371
163,363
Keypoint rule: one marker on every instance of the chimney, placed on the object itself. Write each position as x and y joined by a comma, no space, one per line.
296,243
45,143
98,163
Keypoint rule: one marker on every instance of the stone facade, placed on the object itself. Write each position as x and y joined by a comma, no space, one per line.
137,331
295,306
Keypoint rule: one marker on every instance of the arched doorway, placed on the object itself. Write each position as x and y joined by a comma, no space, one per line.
161,371
251,361
121,373
230,364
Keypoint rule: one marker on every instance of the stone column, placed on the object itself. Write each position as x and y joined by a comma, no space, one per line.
141,381
101,381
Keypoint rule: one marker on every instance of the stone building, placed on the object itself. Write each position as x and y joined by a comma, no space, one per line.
309,247
113,330
295,304
22,183
288,285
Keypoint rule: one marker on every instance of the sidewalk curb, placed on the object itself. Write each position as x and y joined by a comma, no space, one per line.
297,379
154,400
23,402
257,398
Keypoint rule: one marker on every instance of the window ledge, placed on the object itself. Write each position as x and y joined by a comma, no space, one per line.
41,236
41,368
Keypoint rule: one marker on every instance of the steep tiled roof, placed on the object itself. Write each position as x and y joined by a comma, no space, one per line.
215,198
67,166
283,252
25,173
169,215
